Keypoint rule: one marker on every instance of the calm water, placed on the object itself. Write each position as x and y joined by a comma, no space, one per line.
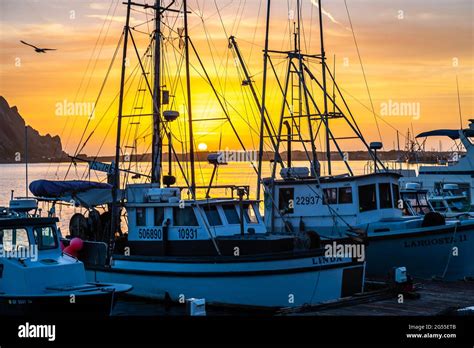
12,177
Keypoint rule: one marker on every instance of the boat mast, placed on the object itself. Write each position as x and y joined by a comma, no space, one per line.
262,109
323,67
116,182
188,88
157,141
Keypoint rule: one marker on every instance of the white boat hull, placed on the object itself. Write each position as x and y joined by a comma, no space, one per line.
283,282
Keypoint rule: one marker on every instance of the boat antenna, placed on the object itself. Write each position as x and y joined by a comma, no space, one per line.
264,91
157,140
188,89
459,103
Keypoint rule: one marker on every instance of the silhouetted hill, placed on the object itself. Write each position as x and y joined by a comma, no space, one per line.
41,148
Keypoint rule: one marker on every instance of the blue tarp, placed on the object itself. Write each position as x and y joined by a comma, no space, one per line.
56,189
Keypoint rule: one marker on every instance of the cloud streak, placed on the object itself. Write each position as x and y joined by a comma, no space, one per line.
329,15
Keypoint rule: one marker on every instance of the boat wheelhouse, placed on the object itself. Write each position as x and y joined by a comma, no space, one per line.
37,277
328,205
350,206
160,222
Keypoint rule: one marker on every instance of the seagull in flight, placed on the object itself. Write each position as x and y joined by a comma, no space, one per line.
37,49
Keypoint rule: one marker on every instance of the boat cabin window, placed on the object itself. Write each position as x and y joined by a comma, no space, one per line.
418,202
461,189
385,196
140,216
159,216
345,195
45,238
459,205
14,239
249,213
286,197
231,214
439,206
367,198
212,215
330,196
184,217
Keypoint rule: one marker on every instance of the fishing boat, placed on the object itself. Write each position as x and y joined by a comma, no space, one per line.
302,200
37,278
459,171
177,244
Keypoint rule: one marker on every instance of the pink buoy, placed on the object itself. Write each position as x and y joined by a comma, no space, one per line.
76,244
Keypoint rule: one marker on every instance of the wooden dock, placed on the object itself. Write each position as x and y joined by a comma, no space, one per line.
429,298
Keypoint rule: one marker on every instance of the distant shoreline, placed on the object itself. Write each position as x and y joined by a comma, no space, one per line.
200,156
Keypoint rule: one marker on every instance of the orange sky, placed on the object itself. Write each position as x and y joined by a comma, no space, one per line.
406,60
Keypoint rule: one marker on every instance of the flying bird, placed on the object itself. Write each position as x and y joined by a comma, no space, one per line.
37,49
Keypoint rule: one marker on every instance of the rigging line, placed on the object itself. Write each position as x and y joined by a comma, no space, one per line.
140,32
98,98
104,139
377,115
165,125
103,83
100,50
81,82
363,70
255,30
238,18
220,19
222,65
308,49
104,114
218,93
213,61
147,22
86,168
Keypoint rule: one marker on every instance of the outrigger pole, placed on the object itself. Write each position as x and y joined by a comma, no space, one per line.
115,215
262,109
188,89
323,63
